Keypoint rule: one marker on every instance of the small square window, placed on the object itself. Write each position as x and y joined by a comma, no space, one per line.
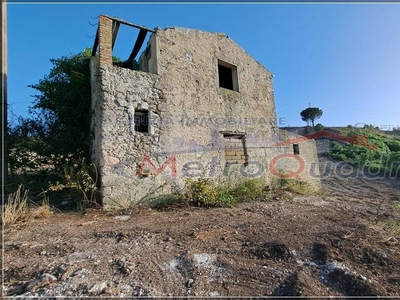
227,76
141,121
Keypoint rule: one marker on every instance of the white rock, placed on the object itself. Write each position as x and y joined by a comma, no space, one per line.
48,278
98,288
122,218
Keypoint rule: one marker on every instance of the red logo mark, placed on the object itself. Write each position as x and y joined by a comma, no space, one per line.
289,174
146,161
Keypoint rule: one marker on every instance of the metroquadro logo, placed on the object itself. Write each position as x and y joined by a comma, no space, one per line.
358,139
196,168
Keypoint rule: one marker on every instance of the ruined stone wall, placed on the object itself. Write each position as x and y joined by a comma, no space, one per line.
196,128
302,166
117,147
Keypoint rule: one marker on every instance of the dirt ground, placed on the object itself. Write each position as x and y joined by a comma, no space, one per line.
331,245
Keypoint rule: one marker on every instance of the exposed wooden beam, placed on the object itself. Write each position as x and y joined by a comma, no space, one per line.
115,29
138,44
130,24
96,43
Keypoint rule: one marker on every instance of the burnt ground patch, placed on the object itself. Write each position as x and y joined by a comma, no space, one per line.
319,253
348,284
275,251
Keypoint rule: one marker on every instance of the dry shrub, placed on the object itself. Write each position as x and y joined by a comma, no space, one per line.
41,211
16,209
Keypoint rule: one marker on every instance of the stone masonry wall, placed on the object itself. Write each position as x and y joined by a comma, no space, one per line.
119,147
202,111
196,128
304,166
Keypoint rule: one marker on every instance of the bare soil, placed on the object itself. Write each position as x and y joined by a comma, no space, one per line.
330,245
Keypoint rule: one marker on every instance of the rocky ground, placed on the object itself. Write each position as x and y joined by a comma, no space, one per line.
343,243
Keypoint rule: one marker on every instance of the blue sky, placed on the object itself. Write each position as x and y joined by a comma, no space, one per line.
342,58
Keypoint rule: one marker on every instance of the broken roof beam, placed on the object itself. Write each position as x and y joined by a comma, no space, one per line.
96,43
129,24
138,45
115,29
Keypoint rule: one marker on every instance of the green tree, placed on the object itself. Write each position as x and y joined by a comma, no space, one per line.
60,115
25,142
311,114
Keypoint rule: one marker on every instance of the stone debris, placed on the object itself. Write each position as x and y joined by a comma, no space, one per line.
122,218
98,288
44,280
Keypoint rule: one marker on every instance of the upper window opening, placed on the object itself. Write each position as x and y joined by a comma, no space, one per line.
227,76
141,121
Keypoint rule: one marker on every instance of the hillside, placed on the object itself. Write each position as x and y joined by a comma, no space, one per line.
373,150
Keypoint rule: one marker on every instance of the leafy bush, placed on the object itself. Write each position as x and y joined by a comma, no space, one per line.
319,127
82,178
372,149
393,145
250,189
292,185
203,192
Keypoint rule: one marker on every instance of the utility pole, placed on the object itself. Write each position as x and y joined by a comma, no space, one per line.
4,152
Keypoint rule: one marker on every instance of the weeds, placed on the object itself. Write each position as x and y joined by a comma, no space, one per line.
16,209
251,189
372,150
284,188
44,210
392,225
81,178
204,192
19,209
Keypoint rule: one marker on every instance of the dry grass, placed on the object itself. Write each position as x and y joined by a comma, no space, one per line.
18,209
392,225
41,211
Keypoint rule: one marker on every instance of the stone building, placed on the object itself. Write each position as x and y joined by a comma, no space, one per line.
193,104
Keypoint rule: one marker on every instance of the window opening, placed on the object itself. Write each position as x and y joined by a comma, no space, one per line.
227,76
296,149
141,121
